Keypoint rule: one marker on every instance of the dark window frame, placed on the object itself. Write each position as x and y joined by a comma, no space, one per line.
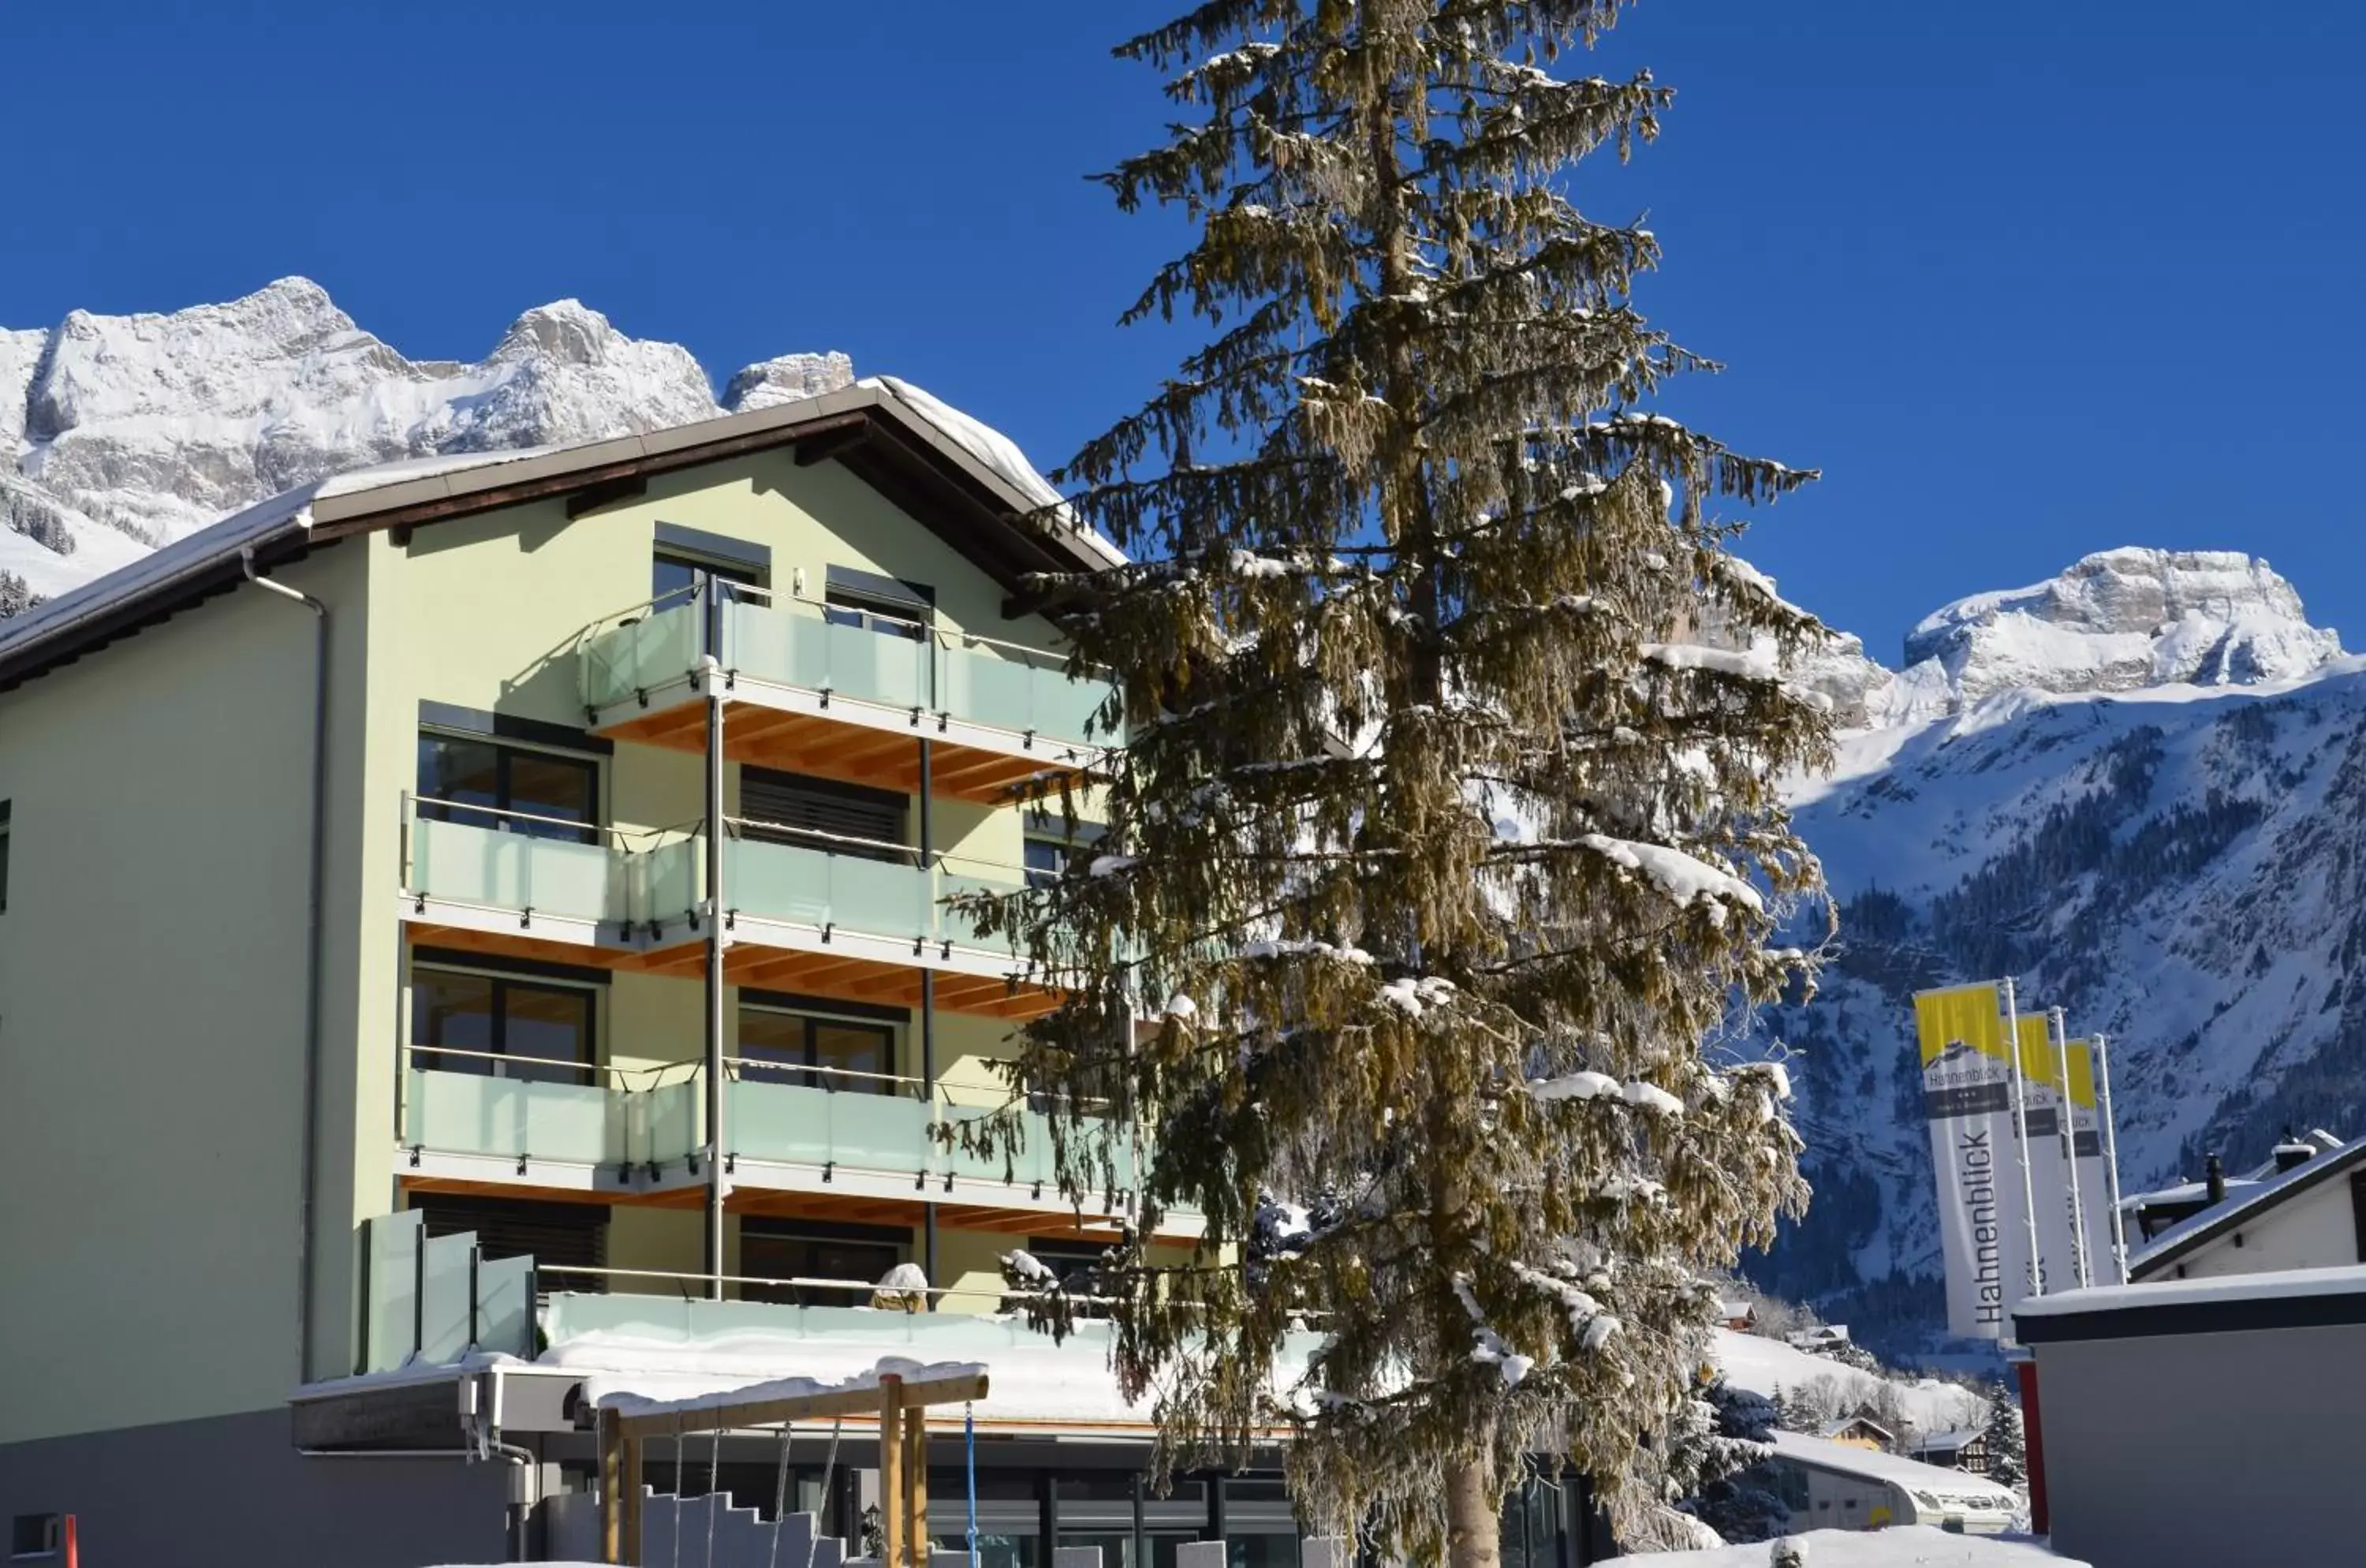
581,1070
809,1072
6,809
890,847
807,1235
505,754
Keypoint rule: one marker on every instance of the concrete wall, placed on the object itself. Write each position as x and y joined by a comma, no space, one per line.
233,1493
151,1002
2205,1449
2316,1230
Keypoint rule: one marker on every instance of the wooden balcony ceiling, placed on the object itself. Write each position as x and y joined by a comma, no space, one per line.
892,1212
772,969
851,753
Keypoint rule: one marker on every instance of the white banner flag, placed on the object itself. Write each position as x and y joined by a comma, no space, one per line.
2094,1167
2059,1266
1967,1103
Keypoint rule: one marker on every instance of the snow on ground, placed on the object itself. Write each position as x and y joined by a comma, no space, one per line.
1763,1365
1908,1546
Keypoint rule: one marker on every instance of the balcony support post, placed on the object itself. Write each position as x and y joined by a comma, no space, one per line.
717,1188
927,1018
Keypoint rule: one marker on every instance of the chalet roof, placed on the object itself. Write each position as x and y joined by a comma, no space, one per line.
959,477
2189,1236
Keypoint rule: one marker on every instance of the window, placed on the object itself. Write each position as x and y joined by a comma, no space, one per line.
820,813
464,778
854,1055
559,1237
886,604
34,1535
1046,859
1073,1263
809,1249
4,856
538,1030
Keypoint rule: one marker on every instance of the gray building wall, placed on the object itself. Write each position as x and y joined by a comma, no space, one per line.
231,1492
2196,1451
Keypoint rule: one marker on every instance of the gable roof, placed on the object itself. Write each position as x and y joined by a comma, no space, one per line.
2190,1235
959,478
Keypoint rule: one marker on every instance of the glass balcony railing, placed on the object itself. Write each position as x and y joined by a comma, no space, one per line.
460,852
859,655
857,1122
630,881
844,884
526,1108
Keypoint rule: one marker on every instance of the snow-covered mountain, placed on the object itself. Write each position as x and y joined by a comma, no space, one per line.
118,433
2140,789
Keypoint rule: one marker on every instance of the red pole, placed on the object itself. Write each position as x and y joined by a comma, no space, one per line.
73,1546
2033,1438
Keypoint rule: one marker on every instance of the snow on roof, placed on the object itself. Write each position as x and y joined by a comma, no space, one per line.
605,1391
2191,1231
1906,1473
1763,1365
1917,1545
996,451
2346,1280
1034,1381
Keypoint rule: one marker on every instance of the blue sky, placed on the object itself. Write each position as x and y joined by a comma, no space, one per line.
2025,282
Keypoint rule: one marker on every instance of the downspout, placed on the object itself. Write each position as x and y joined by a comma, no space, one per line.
312,1143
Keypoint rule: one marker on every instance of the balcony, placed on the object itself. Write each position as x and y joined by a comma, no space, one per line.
808,692
843,1141
822,914
468,1117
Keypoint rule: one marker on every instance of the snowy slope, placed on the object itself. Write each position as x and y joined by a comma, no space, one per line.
1909,1546
1763,1366
118,433
2180,865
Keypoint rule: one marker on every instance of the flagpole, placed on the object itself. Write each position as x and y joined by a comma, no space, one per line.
2112,1157
2067,1128
2021,1131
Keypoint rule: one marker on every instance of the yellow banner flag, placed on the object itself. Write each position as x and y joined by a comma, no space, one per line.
2038,1064
1964,1015
2081,1086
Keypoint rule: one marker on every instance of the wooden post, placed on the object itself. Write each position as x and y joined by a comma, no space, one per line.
891,1499
612,1490
916,1484
635,1506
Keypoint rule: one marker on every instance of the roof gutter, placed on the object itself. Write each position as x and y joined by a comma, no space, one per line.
312,1048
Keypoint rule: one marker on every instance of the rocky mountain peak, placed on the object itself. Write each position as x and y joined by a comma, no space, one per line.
2122,619
118,433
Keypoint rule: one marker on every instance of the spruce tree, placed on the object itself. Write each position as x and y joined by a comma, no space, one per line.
1443,840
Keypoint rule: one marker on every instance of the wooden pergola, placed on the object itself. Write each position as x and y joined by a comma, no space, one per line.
899,1404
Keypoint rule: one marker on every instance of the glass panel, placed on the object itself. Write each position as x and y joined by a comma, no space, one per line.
444,1312
509,871
452,1009
664,1123
460,771
639,655
544,785
471,1114
546,1023
957,926
393,1245
811,1127
505,1306
1046,858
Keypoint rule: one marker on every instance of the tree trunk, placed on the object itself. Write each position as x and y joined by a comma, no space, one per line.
1473,1529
